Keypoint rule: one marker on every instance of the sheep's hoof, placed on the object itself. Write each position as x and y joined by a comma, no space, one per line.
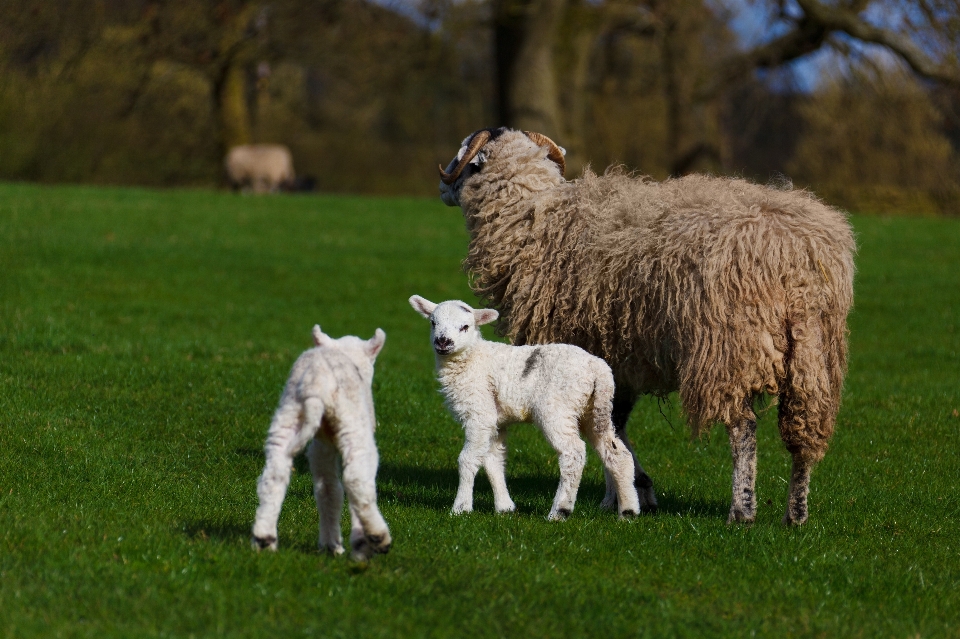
509,508
794,521
264,543
627,514
740,517
332,550
459,509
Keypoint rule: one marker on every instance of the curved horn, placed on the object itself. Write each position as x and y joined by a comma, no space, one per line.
476,143
554,154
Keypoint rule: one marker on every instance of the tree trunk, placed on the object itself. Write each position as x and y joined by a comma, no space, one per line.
234,112
525,33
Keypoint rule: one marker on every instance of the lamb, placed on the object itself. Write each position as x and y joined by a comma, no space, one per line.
559,387
264,168
717,288
327,402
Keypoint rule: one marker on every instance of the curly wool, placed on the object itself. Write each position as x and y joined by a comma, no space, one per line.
716,287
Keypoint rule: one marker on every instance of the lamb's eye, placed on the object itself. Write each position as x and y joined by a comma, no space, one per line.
464,328
432,323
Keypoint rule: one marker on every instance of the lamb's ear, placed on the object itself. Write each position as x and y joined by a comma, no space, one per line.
485,316
319,337
375,343
423,306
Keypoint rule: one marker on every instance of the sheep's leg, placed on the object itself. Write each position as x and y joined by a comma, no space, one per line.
472,456
617,468
285,439
623,402
494,464
743,447
799,489
572,457
368,530
328,492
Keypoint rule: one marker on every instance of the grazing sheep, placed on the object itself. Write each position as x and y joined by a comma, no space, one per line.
718,288
327,403
561,388
264,168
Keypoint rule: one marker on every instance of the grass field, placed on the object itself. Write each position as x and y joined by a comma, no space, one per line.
144,340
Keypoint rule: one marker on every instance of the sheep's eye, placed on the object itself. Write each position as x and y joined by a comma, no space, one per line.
432,323
464,328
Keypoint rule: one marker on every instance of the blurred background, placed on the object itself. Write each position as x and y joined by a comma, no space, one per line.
857,99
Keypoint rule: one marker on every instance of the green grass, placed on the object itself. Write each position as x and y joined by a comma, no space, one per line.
144,340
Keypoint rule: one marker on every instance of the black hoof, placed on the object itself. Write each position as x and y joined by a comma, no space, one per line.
563,512
628,514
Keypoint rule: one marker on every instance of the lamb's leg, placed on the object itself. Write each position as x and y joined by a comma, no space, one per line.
494,464
284,440
563,435
743,447
623,402
617,468
368,530
475,448
328,492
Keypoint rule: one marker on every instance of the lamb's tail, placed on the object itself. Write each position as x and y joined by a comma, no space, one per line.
603,388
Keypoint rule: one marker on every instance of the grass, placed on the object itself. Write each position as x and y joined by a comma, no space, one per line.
144,340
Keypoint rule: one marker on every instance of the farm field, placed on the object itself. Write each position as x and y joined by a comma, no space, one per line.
144,340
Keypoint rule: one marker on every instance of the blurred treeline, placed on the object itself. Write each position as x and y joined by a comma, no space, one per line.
370,98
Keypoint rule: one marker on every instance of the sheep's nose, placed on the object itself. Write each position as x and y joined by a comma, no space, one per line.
443,343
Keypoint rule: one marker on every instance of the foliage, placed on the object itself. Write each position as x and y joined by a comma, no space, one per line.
146,338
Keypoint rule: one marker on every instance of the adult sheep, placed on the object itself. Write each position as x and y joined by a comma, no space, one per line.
264,168
717,288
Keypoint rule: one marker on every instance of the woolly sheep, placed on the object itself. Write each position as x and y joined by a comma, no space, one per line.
264,168
718,288
327,403
562,389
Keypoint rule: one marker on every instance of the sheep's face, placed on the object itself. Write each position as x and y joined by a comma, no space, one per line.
453,324
503,144
362,352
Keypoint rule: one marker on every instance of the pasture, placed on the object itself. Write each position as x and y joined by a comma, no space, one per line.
144,340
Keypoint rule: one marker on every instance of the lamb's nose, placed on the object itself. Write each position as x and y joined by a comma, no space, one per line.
443,343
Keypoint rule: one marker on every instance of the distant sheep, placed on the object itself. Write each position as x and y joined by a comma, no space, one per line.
263,168
718,288
327,402
562,389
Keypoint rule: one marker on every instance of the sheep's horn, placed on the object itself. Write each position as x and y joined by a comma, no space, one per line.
555,153
476,143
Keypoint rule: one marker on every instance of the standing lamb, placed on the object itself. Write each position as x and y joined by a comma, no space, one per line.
264,168
718,288
327,403
561,388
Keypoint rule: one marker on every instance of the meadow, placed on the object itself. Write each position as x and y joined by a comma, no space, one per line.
144,340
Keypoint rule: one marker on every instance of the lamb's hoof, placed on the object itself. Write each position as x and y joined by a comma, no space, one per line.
460,509
627,514
332,550
264,543
366,547
509,508
559,515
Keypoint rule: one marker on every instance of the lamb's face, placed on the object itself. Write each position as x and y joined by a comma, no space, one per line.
453,324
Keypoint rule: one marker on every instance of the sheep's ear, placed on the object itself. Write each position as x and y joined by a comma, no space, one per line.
375,343
319,337
423,306
485,316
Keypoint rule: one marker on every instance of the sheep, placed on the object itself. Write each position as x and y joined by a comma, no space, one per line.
717,288
561,388
264,168
327,402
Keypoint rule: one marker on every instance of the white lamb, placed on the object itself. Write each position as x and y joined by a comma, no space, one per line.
327,402
561,388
